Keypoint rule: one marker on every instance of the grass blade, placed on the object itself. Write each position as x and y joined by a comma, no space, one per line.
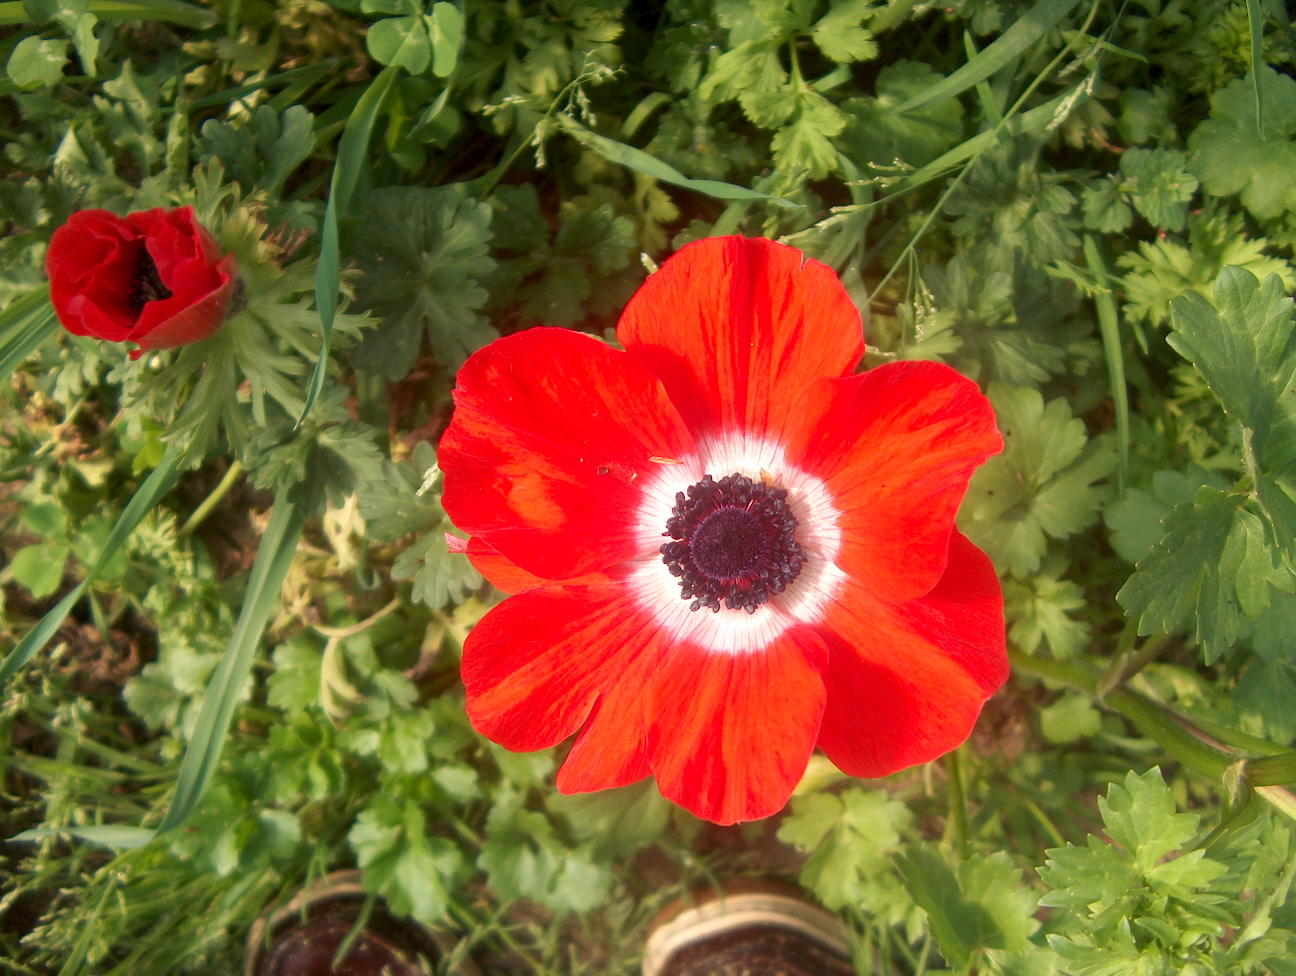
24,325
273,558
1012,43
1052,112
637,159
1255,16
168,11
1109,326
157,484
121,836
352,150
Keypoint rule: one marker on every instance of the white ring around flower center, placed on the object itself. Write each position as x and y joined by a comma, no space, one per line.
806,599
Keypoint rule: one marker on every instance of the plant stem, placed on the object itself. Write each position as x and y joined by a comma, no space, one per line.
1125,666
958,803
211,501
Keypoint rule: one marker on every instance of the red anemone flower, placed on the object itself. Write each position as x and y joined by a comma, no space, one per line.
155,278
727,548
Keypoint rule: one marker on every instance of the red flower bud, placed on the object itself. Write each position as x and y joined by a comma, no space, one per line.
155,278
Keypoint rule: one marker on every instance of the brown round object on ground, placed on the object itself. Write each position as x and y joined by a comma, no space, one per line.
282,944
749,933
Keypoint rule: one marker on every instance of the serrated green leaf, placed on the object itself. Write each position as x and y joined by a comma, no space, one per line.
438,575
840,35
1070,718
960,926
1043,484
1159,185
1140,816
878,134
1229,155
423,252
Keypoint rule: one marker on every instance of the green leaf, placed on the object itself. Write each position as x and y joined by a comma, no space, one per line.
1159,185
1141,817
960,925
353,150
878,134
391,503
1037,611
805,145
401,42
1043,484
142,502
264,152
423,252
1242,347
445,29
439,576
295,683
1135,520
640,161
1229,154
840,35
401,861
849,839
119,836
206,742
617,822
37,63
1069,719
1211,549
1011,44
40,567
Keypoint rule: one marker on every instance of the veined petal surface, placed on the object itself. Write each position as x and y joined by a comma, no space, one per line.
552,430
536,664
906,682
737,328
729,735
895,447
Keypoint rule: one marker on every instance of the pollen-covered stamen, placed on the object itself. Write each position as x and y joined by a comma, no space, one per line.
146,286
734,542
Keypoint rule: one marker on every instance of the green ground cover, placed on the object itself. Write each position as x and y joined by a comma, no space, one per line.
232,638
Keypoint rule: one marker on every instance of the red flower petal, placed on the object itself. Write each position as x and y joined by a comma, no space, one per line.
906,683
535,665
187,318
611,750
896,446
551,431
91,266
507,576
737,328
729,735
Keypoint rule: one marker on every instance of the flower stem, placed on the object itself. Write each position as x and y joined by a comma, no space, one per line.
1150,718
212,500
1125,665
958,803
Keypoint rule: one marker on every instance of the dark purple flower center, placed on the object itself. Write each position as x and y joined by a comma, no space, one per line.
733,543
146,285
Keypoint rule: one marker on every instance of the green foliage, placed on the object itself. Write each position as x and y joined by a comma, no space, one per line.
1042,485
1231,153
985,204
422,252
1224,550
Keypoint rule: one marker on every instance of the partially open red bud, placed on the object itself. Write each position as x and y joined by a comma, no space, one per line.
155,278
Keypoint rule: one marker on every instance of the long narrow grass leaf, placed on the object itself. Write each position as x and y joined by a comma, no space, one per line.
352,151
29,336
309,71
167,11
1012,43
640,161
121,836
1255,16
155,486
273,558
1113,350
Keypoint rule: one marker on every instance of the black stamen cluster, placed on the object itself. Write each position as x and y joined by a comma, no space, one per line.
733,542
146,286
